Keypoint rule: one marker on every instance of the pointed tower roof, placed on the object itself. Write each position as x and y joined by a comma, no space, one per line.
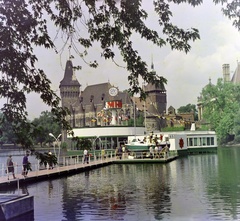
236,75
152,87
152,66
69,78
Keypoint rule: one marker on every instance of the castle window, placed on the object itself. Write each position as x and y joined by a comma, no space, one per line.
91,98
103,96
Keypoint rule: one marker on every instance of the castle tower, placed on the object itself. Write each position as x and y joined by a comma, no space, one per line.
226,72
156,96
69,87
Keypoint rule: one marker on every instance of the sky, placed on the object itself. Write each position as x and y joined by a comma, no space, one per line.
186,74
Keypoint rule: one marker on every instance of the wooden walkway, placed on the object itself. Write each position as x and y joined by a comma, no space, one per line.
34,176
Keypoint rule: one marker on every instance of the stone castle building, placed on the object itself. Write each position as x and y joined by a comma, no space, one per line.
103,104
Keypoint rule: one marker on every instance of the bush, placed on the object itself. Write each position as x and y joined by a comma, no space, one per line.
46,158
169,129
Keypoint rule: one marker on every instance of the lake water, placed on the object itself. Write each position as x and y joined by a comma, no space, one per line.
197,187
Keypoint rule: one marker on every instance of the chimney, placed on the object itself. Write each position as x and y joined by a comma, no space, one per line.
226,72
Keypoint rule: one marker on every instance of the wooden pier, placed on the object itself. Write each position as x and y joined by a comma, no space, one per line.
34,176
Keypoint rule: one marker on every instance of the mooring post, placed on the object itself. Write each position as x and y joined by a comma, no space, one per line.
18,186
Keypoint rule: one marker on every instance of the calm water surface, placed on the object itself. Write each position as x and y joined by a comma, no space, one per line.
198,187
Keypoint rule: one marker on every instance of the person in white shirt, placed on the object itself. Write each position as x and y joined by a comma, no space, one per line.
85,154
156,150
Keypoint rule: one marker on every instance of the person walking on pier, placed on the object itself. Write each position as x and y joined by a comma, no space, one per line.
26,165
10,167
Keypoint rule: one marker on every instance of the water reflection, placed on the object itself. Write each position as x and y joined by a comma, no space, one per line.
225,195
117,191
199,187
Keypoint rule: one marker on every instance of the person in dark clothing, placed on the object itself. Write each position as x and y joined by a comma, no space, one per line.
120,152
10,167
26,165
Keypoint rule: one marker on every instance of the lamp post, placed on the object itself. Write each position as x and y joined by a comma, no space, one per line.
134,117
145,111
56,140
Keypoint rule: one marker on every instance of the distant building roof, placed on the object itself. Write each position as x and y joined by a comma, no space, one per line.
236,76
99,93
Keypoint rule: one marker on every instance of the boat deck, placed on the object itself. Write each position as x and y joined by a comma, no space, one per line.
146,160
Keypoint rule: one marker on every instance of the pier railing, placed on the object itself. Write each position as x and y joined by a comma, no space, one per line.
78,160
64,161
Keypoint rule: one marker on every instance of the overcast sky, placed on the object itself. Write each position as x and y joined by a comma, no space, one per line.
187,74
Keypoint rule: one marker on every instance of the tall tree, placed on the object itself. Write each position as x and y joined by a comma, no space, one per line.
221,103
236,128
23,26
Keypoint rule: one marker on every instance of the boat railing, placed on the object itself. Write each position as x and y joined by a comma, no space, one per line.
154,154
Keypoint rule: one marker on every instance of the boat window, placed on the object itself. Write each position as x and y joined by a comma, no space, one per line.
204,141
208,141
212,140
190,142
200,141
195,141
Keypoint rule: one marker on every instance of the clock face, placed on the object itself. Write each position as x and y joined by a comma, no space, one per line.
113,91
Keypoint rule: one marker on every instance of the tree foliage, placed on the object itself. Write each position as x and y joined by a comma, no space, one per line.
30,133
237,127
221,103
44,125
46,158
7,133
189,108
82,143
16,132
24,26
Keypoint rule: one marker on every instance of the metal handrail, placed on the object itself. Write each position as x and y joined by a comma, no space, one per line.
66,161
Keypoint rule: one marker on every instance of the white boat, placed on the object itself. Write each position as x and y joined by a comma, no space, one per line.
184,142
137,145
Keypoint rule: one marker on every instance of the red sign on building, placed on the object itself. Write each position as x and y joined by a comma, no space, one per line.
114,104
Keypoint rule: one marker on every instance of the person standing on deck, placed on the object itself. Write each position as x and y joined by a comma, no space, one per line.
156,150
151,152
103,154
166,149
85,154
10,167
123,149
120,152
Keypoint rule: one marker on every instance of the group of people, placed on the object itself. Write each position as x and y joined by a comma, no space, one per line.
159,150
120,151
25,163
